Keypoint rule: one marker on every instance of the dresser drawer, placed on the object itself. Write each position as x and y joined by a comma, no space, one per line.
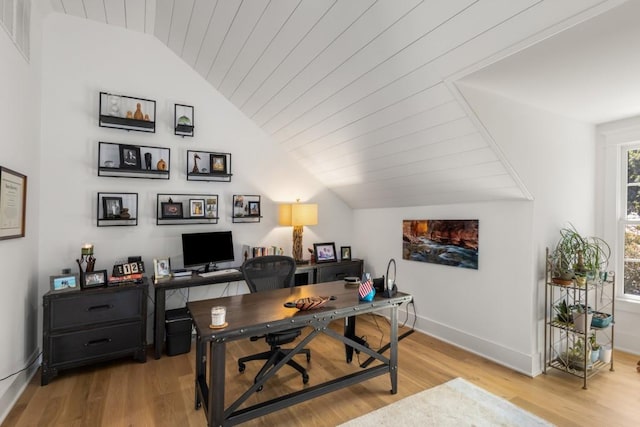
84,308
92,343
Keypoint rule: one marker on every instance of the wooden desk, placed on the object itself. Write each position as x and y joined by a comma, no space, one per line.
262,312
305,274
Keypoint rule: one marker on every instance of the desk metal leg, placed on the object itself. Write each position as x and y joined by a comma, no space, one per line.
216,384
393,356
158,323
201,369
349,331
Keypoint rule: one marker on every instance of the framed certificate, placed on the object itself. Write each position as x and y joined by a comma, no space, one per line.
13,203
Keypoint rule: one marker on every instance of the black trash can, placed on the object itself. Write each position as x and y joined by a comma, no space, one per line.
178,329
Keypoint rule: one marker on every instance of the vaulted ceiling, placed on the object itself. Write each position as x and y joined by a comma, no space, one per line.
361,92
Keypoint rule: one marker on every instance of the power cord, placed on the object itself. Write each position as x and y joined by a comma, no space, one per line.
23,369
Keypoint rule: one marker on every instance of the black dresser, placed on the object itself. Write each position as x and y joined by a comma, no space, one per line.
93,325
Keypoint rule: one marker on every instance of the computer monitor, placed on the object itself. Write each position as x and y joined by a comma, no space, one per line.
207,249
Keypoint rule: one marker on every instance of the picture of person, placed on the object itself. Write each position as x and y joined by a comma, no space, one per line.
130,158
163,267
197,207
112,207
254,208
212,208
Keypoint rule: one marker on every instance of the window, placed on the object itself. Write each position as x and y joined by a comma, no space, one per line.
630,221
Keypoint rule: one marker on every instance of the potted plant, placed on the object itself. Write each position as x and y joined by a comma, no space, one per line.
579,313
595,348
578,257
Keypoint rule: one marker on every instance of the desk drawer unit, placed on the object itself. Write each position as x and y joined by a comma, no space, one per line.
338,271
93,325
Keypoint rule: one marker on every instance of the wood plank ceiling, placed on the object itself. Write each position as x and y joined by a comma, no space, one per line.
361,92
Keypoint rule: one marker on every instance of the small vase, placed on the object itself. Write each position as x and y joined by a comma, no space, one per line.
595,355
605,354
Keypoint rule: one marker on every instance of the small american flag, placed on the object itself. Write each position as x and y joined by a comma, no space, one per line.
366,286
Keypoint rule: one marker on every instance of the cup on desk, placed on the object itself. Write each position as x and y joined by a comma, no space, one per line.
218,315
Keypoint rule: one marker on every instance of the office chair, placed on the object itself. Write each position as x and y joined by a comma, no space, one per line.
265,273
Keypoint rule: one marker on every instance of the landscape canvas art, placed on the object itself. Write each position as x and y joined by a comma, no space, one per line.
446,242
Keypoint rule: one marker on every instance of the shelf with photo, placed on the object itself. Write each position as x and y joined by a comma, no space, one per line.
117,209
208,166
246,208
133,161
181,209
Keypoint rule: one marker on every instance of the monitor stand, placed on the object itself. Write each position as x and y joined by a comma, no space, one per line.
210,267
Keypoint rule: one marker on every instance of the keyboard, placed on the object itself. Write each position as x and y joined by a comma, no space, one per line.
218,272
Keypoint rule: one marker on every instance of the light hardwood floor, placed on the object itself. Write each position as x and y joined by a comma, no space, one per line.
161,392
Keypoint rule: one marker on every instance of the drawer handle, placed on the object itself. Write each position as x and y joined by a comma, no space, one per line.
100,307
98,342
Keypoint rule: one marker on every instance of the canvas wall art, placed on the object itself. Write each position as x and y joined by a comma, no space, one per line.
446,242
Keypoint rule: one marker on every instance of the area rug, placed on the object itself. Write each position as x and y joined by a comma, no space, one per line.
454,403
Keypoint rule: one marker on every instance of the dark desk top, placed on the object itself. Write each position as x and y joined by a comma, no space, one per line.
252,314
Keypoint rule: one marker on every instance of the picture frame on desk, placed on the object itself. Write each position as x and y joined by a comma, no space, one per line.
161,267
94,279
64,283
324,252
345,253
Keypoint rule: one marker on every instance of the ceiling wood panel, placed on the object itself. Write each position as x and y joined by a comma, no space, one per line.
116,13
95,10
180,21
136,14
360,92
198,26
243,26
302,20
337,20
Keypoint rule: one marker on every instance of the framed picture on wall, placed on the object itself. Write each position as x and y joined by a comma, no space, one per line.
196,208
111,207
218,163
130,157
171,210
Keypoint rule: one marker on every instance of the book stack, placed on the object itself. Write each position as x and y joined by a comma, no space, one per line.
256,251
181,273
125,279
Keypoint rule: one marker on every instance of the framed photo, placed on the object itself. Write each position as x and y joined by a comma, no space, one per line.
196,208
218,163
161,267
254,208
94,279
324,252
111,207
345,253
64,283
130,157
171,210
212,208
13,203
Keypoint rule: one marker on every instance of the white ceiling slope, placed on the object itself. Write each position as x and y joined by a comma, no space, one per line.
358,90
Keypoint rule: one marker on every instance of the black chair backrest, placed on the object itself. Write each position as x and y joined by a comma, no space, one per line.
269,272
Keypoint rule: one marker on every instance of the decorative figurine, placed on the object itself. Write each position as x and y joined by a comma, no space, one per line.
138,114
124,213
147,161
161,165
129,114
195,163
146,118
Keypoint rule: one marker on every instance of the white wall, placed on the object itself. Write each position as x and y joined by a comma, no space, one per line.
497,311
20,303
82,58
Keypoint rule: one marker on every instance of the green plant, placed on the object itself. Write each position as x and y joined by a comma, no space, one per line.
577,255
592,342
563,313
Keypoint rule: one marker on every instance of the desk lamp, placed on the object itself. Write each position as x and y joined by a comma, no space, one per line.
298,215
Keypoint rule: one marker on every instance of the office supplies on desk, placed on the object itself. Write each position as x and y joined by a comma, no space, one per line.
217,272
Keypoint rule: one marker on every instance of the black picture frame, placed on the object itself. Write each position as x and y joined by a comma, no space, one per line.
171,210
111,207
345,253
254,208
218,164
324,252
130,157
94,279
64,283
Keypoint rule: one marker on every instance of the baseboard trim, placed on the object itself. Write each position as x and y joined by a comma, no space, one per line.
19,384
